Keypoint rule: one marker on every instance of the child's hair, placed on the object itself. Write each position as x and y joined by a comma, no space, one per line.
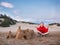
41,22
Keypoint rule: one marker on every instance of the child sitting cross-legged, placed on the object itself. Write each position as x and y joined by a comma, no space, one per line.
42,29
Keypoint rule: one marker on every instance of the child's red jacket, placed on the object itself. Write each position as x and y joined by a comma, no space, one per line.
42,29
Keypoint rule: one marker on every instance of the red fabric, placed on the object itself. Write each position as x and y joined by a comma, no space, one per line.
42,29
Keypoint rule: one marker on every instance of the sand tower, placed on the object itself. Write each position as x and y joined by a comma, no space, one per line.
19,33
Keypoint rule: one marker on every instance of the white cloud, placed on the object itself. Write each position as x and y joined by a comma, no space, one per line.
19,18
17,12
6,4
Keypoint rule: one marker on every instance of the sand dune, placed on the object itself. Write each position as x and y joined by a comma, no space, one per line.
13,28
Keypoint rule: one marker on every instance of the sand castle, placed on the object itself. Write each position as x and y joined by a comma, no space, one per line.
19,34
9,35
22,34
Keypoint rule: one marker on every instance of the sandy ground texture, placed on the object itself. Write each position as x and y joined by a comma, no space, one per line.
24,26
52,39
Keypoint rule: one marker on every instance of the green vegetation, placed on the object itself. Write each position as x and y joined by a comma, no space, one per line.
53,24
29,22
7,21
58,24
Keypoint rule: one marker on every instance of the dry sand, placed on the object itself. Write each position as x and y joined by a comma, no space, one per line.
52,39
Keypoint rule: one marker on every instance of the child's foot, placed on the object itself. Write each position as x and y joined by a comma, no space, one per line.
44,35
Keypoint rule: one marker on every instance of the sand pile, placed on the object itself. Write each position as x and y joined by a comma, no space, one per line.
21,34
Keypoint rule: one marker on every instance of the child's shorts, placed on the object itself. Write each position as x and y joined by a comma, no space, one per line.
43,33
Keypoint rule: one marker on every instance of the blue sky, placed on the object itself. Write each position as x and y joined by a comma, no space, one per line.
32,10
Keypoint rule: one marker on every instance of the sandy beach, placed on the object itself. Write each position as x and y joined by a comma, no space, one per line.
29,22
24,26
52,39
